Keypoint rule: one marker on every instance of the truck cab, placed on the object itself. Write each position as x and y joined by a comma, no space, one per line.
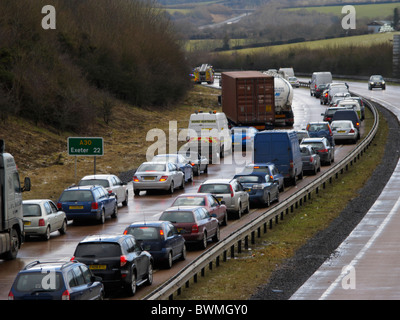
11,215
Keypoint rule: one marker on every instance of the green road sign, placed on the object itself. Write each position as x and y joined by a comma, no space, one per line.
85,146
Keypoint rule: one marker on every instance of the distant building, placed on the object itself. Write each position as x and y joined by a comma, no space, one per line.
375,26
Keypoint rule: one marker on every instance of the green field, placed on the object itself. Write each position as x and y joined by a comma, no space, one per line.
371,11
363,40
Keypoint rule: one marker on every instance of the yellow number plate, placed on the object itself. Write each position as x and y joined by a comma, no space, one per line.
98,267
75,207
27,223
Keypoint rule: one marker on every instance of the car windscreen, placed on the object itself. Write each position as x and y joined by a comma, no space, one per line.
151,167
33,282
180,216
98,250
215,188
189,201
145,233
31,210
76,196
94,182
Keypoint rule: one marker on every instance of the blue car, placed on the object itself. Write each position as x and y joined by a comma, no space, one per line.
56,281
243,137
160,239
262,189
267,168
88,203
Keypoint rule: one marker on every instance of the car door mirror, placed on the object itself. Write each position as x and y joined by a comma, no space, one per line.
96,279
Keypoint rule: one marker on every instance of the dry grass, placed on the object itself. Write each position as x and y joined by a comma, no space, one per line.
41,153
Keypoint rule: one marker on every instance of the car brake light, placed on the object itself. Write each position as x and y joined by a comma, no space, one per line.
311,159
10,296
161,232
230,187
357,124
72,258
123,260
95,205
59,205
323,150
164,178
65,295
135,179
110,191
195,228
351,131
291,164
41,223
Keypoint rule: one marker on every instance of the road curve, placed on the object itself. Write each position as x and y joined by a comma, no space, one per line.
366,265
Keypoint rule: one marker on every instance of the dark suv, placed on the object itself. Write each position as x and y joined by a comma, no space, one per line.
56,281
118,259
88,202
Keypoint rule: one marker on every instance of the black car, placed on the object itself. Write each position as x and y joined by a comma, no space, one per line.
268,168
56,280
118,259
160,239
319,90
376,81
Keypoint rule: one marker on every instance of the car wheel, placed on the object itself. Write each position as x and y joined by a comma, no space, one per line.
149,274
115,212
183,253
63,228
203,242
171,187
191,176
136,192
131,286
125,202
267,201
239,213
217,235
225,220
102,218
14,246
206,169
168,262
46,236
183,184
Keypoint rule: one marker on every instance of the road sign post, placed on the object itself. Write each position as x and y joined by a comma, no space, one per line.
85,146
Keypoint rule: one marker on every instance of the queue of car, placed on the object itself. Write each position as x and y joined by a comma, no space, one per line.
103,263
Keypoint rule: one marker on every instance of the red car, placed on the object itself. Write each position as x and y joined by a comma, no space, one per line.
194,223
207,200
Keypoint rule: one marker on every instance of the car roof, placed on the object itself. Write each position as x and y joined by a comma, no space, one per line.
260,163
254,173
35,201
182,208
82,187
312,140
198,194
151,223
95,176
210,181
104,238
46,265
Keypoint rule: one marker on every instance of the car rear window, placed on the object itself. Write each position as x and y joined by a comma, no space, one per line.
98,250
177,216
76,196
37,282
317,127
151,167
95,182
189,201
249,179
145,233
316,145
341,125
31,210
215,188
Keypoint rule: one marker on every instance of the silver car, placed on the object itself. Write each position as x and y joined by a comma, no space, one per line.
158,176
41,217
111,183
344,130
231,192
198,162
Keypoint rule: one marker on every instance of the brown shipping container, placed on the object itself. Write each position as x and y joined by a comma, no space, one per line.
248,98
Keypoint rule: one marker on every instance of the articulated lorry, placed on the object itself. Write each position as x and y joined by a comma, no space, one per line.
248,99
11,216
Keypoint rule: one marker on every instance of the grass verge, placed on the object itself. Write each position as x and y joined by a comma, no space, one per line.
239,278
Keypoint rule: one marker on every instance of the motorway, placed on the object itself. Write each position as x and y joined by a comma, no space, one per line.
366,266
306,109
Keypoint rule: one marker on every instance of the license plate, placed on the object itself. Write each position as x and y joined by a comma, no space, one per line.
98,267
75,207
341,131
247,189
27,223
219,199
148,178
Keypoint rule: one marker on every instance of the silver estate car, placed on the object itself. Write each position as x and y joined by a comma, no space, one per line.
111,183
231,192
41,217
158,176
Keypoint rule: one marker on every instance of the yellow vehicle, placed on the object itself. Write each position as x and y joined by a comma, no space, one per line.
205,73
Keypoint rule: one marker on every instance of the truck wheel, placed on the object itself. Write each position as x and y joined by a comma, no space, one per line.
15,243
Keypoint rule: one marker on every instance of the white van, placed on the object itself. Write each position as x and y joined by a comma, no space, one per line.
319,78
209,134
